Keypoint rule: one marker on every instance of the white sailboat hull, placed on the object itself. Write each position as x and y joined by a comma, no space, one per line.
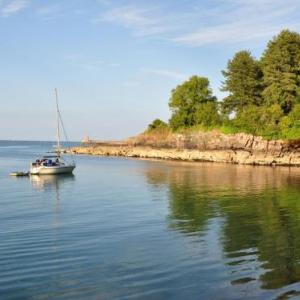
52,170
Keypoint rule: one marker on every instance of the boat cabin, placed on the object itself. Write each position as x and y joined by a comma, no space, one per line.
48,161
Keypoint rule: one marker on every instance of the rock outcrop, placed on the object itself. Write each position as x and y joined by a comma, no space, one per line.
210,146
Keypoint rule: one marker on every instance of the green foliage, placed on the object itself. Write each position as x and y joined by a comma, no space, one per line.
189,102
206,114
263,95
290,124
243,81
157,124
281,69
228,128
249,119
260,120
294,116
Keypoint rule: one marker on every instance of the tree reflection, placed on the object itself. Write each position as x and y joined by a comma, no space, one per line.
260,206
190,209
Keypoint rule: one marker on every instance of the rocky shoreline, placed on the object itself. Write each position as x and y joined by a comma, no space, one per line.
202,147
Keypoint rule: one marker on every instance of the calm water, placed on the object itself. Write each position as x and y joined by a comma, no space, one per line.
132,229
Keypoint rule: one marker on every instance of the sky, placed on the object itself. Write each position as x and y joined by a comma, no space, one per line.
115,62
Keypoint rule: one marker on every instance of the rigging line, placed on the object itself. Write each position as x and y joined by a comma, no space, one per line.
65,133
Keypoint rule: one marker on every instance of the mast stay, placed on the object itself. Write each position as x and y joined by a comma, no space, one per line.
60,125
58,150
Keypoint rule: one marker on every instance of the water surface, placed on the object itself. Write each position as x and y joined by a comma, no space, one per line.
133,229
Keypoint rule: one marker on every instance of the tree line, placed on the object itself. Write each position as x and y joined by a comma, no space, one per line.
263,95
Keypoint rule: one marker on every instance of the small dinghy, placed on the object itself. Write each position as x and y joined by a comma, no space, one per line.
19,174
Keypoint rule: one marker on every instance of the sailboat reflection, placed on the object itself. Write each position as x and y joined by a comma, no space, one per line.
52,184
48,182
52,187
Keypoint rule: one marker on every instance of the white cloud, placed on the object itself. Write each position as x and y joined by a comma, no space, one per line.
13,7
88,63
206,22
244,21
142,21
57,10
229,33
166,73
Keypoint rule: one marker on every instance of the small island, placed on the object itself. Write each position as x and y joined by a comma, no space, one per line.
257,123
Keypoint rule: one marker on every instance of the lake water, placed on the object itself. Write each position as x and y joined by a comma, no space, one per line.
134,229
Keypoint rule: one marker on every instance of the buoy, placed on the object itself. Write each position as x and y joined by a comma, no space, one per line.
19,174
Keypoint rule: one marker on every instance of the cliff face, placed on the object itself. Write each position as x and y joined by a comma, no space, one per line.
210,140
202,146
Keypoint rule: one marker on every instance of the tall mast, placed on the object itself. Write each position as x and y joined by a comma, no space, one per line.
58,124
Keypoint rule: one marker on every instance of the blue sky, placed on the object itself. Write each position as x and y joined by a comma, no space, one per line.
115,62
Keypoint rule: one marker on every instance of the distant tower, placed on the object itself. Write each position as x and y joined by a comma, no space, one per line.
86,140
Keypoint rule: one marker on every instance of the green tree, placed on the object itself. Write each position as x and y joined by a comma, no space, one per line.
157,124
260,120
243,81
290,124
281,68
206,114
249,119
188,100
294,116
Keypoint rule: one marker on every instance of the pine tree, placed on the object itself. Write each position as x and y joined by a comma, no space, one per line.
281,69
243,81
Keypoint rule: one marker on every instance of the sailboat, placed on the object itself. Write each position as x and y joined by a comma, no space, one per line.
53,163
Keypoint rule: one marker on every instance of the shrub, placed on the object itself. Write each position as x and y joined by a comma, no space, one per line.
157,124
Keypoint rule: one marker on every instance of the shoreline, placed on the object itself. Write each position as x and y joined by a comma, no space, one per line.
230,156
